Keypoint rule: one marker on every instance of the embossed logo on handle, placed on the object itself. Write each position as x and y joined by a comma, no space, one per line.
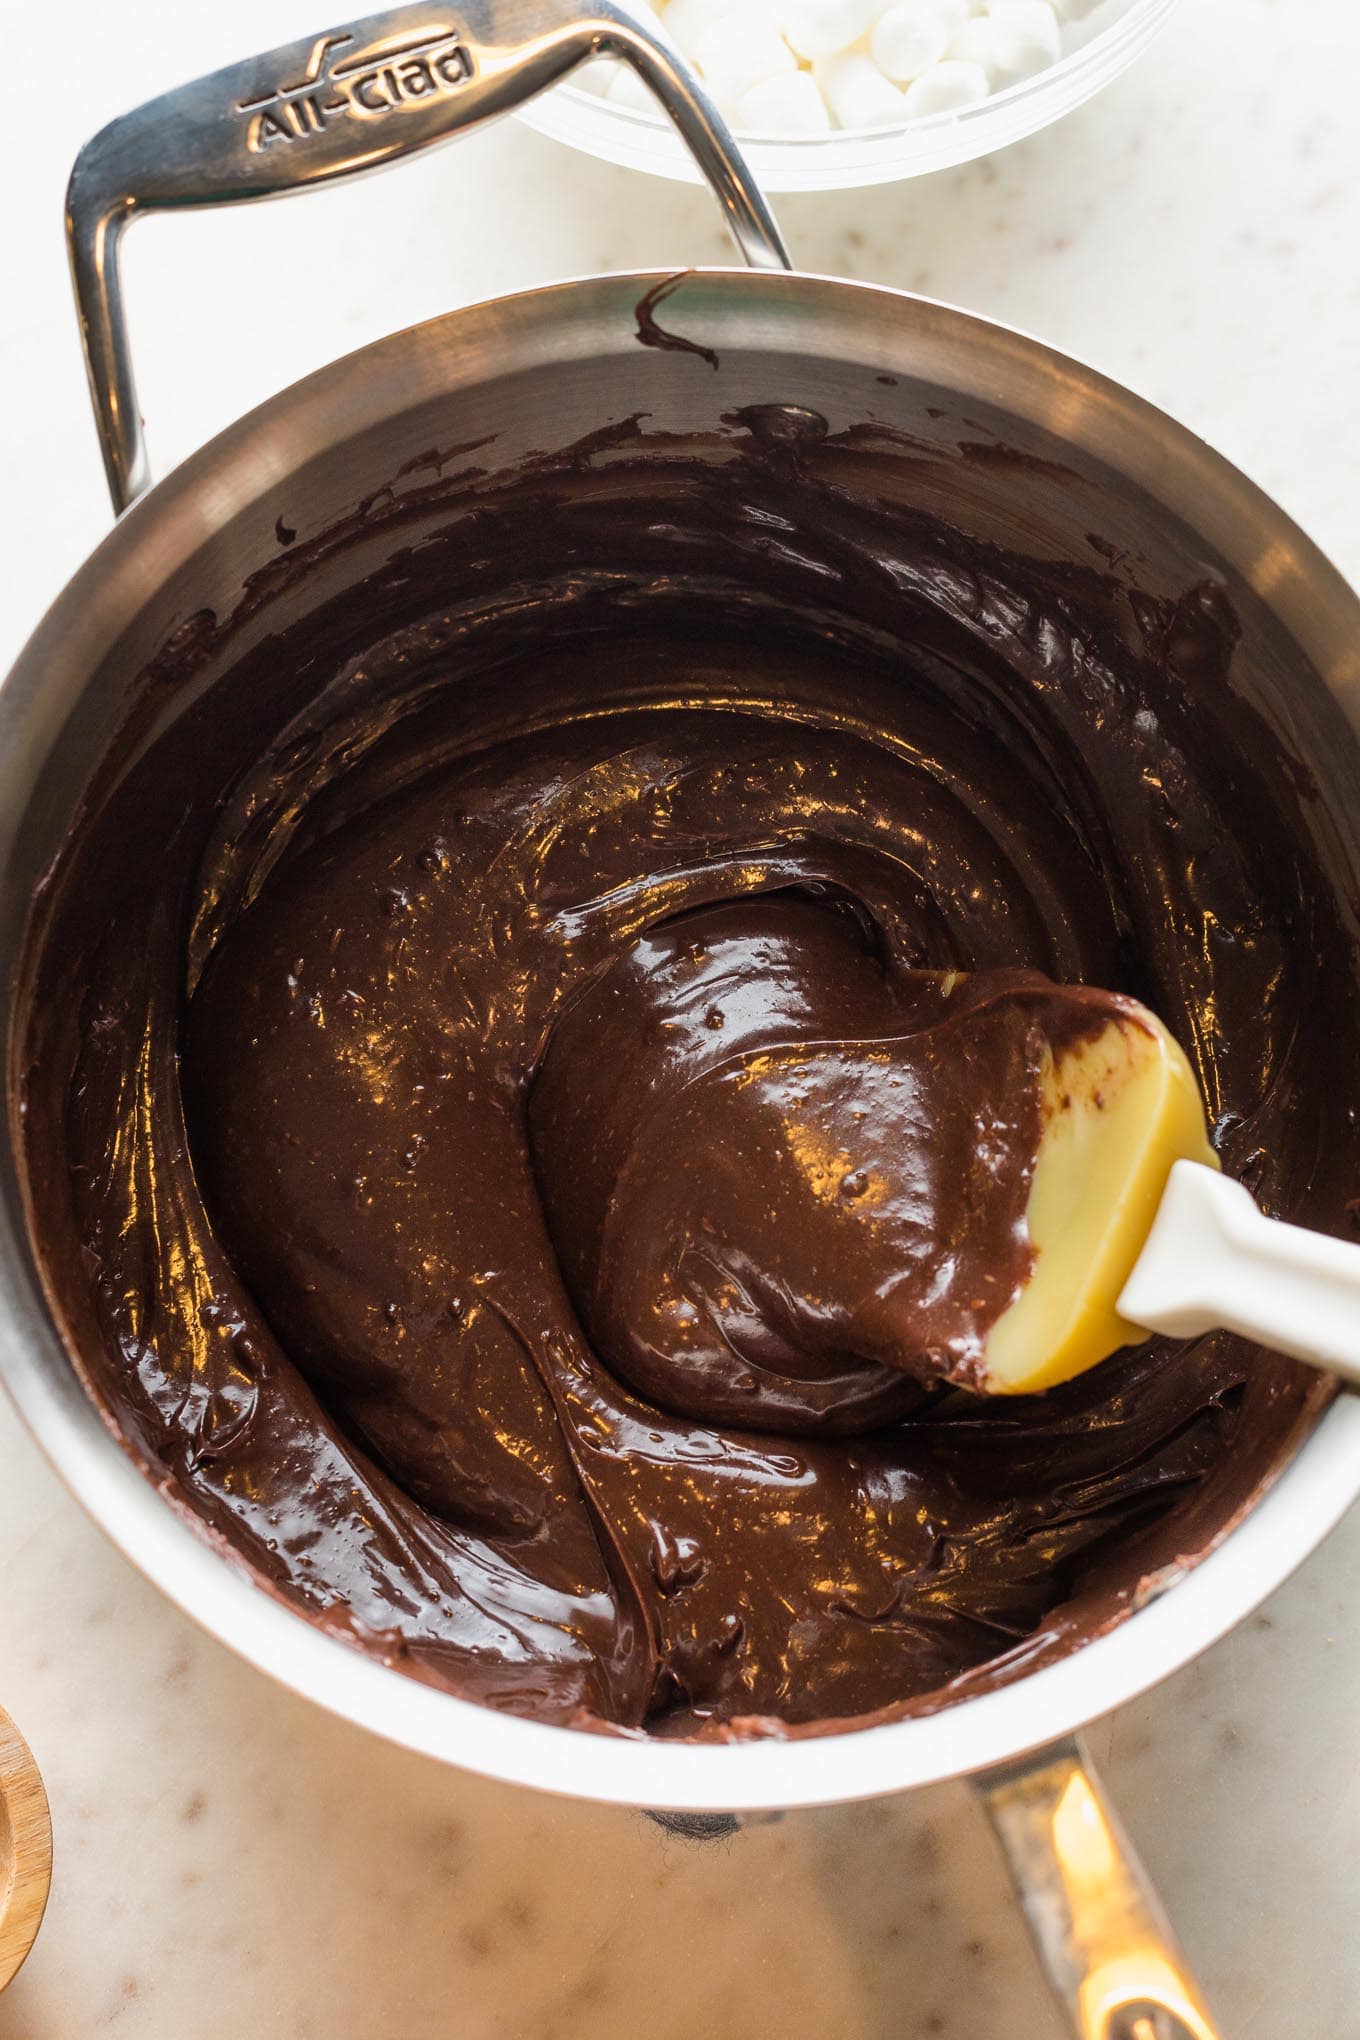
341,82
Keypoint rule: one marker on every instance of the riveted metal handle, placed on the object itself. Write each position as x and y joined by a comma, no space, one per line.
1104,1940
359,96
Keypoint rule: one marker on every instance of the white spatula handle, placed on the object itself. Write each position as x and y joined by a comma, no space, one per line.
1213,1259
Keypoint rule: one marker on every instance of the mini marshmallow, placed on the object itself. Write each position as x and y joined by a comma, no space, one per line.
975,43
686,20
822,28
738,52
625,88
598,75
946,88
873,62
858,93
1025,37
907,40
791,104
951,14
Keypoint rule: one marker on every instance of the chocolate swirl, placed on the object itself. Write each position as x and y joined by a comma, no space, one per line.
786,1179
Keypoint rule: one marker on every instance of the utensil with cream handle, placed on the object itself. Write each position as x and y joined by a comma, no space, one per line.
1135,1231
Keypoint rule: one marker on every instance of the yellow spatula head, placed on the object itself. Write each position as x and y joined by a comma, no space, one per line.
1119,1109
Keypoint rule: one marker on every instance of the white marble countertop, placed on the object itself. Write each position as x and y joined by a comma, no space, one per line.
230,1860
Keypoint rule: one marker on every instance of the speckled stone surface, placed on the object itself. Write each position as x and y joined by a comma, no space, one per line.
228,1859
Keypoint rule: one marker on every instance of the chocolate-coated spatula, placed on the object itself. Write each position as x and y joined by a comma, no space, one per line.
1135,1231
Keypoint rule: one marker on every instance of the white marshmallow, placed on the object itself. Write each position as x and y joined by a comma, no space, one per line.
907,40
822,28
598,75
1074,10
625,88
791,104
946,88
738,52
1025,37
858,93
975,43
952,14
686,20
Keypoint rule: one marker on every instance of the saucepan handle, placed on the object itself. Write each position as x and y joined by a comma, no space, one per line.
1102,1936
360,95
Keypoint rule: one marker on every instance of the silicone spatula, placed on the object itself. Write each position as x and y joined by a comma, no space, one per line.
1135,1230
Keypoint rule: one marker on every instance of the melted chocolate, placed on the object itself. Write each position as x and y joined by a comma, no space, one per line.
410,1158
781,1172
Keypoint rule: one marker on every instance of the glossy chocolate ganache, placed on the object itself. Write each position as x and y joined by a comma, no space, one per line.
502,1151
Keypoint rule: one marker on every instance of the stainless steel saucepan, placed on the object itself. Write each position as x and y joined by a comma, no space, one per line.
539,370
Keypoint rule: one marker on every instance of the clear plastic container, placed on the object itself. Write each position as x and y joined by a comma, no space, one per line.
1110,38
